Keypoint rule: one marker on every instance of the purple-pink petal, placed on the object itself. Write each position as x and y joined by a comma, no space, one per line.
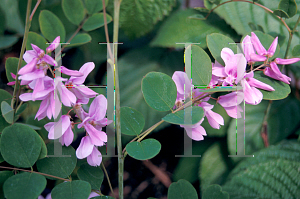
258,84
234,111
33,75
53,45
85,148
256,57
275,69
269,72
98,137
231,99
260,49
214,119
69,72
95,158
272,48
98,107
241,67
29,55
286,61
248,48
28,67
196,133
85,69
49,60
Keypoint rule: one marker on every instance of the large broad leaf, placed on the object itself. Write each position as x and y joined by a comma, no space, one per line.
7,112
132,121
288,6
239,14
93,6
180,28
95,21
76,189
282,90
138,17
74,10
181,117
92,175
159,91
200,66
51,26
4,96
24,186
253,141
7,41
215,191
4,175
272,173
80,39
36,39
182,190
216,42
12,16
58,166
20,145
143,150
209,174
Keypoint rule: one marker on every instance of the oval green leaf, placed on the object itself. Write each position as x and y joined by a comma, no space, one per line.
282,90
11,66
36,39
132,121
159,91
20,145
188,116
200,65
80,39
51,26
143,150
216,42
281,13
7,41
7,112
215,191
24,186
4,96
93,6
95,21
76,189
92,175
288,6
182,190
74,10
44,151
4,175
58,166
296,51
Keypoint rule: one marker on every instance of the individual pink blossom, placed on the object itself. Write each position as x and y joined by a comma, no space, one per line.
75,84
196,131
214,119
183,85
95,158
249,51
230,102
260,49
53,45
95,119
85,147
64,124
13,82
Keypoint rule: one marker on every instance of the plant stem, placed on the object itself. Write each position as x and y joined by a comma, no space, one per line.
264,130
35,172
265,8
117,4
27,27
106,174
34,9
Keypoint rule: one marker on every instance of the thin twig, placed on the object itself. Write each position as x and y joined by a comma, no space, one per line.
44,174
34,9
106,30
107,177
264,130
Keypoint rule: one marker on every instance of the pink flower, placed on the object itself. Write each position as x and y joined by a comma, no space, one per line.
85,148
214,119
274,72
230,102
64,124
249,52
53,45
95,158
75,84
196,131
95,120
260,49
183,85
13,82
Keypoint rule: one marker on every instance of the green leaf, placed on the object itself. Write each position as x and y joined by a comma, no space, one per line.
266,40
197,16
288,6
272,173
4,175
159,91
283,119
201,66
21,109
215,1
138,17
197,113
36,39
281,13
296,51
182,190
216,42
282,90
11,66
92,175
76,189
74,10
93,6
95,21
24,186
20,145
132,121
7,112
44,150
220,89
252,26
58,166
253,141
42,131
7,41
201,9
209,5
212,166
143,150
80,39
102,197
4,96
215,192
51,26
187,30
31,126
12,16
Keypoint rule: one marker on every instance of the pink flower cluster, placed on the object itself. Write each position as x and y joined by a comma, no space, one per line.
232,74
51,91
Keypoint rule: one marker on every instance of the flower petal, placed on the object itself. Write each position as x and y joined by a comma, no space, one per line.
286,61
85,69
273,47
231,99
69,72
196,133
214,119
260,49
28,67
53,45
255,57
95,158
234,111
85,148
98,107
248,47
98,137
258,84
29,55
